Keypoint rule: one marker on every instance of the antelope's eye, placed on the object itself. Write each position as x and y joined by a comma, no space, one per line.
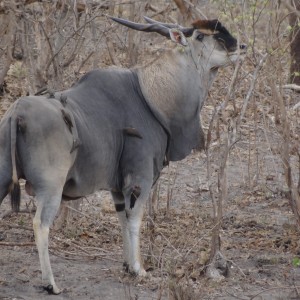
200,36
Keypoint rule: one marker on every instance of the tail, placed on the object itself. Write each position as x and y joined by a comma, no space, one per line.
15,192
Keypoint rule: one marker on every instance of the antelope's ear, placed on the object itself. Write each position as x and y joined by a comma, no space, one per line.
178,37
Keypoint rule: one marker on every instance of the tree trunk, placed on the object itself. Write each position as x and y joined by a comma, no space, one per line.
295,44
8,28
133,36
185,16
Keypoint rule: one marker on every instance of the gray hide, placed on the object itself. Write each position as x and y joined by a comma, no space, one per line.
103,103
113,130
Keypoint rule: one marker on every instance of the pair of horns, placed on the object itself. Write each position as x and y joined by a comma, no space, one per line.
155,26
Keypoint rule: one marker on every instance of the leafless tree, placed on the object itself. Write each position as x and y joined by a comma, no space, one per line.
51,36
295,42
8,27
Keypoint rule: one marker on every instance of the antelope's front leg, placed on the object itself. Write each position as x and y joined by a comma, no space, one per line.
120,209
134,226
130,220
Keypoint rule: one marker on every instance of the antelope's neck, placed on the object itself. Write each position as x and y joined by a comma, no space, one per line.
174,85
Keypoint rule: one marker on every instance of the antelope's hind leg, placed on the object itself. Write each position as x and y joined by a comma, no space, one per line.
48,201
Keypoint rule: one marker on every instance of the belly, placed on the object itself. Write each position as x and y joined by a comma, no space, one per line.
86,182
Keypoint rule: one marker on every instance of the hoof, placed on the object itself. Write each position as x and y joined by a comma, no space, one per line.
126,267
139,272
142,273
52,290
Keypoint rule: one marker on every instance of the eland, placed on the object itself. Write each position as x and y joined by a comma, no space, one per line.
114,130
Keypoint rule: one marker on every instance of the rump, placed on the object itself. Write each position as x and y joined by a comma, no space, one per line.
43,143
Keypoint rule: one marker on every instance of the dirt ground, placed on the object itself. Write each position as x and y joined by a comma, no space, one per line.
259,238
259,235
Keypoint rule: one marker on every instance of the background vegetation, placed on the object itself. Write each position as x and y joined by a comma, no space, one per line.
234,208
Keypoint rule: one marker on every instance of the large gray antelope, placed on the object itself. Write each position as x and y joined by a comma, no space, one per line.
115,129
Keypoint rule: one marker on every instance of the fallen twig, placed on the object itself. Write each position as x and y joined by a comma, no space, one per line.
274,288
233,263
89,256
297,290
70,243
10,213
10,244
17,226
291,87
236,297
296,106
96,248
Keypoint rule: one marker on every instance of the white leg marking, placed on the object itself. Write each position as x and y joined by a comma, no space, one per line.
125,235
41,238
134,223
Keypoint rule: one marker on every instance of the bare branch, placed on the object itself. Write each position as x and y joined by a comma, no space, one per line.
291,8
81,6
112,53
11,28
67,39
250,91
196,9
55,67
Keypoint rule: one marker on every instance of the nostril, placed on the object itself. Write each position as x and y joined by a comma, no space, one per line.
243,47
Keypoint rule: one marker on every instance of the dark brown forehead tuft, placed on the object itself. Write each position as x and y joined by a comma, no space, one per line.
207,25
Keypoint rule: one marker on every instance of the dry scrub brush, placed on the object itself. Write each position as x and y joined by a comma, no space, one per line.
253,121
255,117
256,107
244,116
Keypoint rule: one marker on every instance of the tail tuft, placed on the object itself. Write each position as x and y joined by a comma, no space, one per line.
15,196
15,193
